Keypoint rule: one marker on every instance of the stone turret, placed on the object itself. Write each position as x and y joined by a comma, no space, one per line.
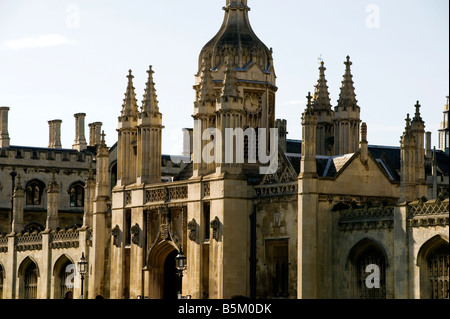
408,167
127,137
149,136
322,108
418,130
347,116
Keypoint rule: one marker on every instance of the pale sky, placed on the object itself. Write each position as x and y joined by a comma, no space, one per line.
59,57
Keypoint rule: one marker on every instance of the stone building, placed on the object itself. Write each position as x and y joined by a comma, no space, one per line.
334,218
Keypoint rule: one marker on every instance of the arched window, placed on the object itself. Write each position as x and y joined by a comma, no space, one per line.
369,259
1,281
34,227
434,269
28,273
34,190
77,195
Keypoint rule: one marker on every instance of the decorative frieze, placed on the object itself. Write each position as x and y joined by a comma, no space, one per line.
367,218
277,190
429,213
65,239
28,241
166,194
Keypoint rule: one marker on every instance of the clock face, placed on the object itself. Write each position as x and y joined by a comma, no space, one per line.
253,103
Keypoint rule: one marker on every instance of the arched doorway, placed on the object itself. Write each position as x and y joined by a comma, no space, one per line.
163,282
433,260
366,258
171,282
63,276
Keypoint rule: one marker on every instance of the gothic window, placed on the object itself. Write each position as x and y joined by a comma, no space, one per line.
30,281
77,195
434,269
1,282
30,228
34,190
369,264
277,261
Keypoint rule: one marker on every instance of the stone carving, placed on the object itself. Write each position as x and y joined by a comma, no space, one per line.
135,234
164,230
207,189
192,227
127,198
215,225
116,232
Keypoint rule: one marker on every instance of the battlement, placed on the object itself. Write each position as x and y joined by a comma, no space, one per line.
17,155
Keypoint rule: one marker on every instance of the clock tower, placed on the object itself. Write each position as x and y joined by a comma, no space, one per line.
235,89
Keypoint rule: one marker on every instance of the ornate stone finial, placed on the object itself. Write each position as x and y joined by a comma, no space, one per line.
417,117
205,90
363,132
130,107
322,101
103,143
230,87
347,97
309,103
150,102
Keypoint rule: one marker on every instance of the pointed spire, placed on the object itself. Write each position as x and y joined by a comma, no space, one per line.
130,107
322,99
230,87
347,98
150,102
408,131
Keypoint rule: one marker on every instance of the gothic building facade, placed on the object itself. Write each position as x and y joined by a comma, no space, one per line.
333,212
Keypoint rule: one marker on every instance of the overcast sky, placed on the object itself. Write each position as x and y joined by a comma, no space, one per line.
59,57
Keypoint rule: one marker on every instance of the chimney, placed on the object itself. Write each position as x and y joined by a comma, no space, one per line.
54,134
80,139
4,135
281,125
95,133
188,148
